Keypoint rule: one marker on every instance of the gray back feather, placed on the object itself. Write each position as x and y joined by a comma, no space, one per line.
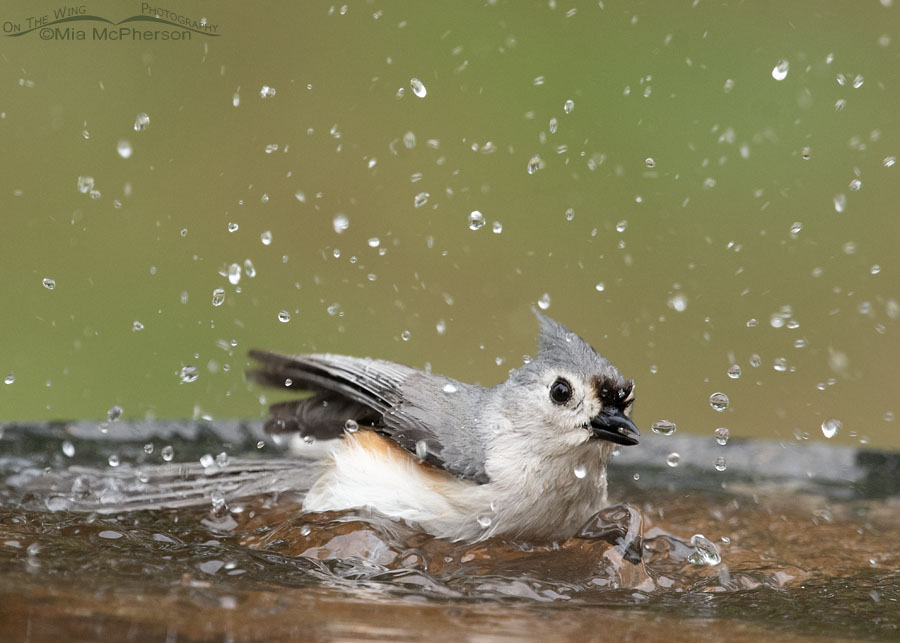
430,415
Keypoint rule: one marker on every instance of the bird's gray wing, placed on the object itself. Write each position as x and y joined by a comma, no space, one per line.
430,415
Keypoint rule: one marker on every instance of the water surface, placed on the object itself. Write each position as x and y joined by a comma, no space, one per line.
677,558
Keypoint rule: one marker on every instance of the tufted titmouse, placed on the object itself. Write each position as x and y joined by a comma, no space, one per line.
524,459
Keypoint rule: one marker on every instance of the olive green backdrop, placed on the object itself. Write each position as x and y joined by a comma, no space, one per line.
687,212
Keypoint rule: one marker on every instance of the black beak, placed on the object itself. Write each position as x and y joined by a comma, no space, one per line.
614,427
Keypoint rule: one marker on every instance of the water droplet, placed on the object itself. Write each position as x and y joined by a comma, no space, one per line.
189,373
544,302
68,449
673,460
114,413
141,122
232,227
421,199
663,427
440,327
621,226
234,274
858,81
148,448
206,461
113,460
553,126
85,184
49,284
729,85
218,297
266,238
497,227
450,388
340,223
722,434
830,427
734,371
266,92
805,153
649,162
636,476
600,287
351,426
405,335
780,71
678,302
568,106
421,449
705,551
476,220
718,401
534,164
284,316
418,88
570,214
217,500
780,364
123,147
9,379
889,161
580,471
720,463
167,453
409,140
855,185
484,521
236,99
137,326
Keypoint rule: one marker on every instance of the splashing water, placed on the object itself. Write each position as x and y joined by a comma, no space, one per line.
664,427
780,71
418,88
718,401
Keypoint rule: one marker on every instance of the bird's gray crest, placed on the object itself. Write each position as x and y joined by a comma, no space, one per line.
557,345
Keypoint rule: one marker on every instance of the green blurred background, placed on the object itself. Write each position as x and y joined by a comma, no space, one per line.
686,193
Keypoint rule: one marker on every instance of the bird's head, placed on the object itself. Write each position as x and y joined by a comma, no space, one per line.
572,392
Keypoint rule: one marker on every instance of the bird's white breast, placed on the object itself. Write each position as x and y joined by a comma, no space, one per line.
536,500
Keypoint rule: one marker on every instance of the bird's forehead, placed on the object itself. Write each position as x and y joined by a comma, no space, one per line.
591,369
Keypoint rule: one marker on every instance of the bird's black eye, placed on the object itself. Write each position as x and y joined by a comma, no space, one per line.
560,391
